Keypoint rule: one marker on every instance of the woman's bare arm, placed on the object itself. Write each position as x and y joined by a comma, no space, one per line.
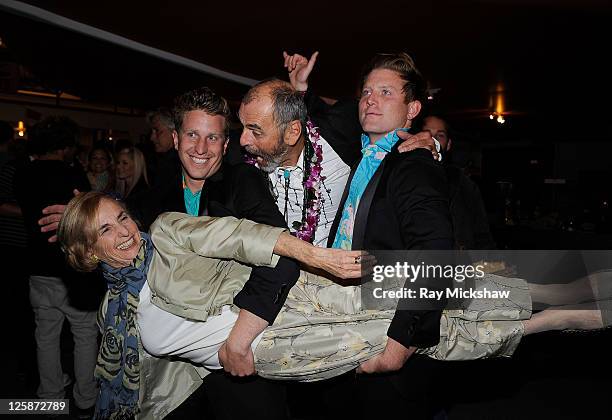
340,263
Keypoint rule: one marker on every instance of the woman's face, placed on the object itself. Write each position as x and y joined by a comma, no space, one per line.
118,236
98,162
125,166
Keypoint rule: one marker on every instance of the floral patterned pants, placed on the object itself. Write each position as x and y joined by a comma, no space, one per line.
322,332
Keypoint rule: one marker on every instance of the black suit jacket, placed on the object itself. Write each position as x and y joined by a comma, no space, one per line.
470,221
404,207
240,191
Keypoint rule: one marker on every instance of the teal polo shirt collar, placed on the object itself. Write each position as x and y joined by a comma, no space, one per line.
385,144
192,200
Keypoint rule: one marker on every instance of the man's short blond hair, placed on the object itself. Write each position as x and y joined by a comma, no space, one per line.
415,86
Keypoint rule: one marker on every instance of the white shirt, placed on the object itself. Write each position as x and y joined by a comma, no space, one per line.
336,173
165,334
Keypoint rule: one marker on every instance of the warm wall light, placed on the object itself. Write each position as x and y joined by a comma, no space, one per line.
497,104
500,99
20,129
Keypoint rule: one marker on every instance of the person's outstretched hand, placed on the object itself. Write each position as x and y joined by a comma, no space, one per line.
299,68
343,264
53,215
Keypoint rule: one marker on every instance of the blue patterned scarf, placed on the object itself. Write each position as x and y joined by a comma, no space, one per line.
118,365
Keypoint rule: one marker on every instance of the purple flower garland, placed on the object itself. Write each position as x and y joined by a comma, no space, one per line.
312,185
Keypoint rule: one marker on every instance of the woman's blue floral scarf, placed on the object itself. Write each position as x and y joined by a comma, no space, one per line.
118,365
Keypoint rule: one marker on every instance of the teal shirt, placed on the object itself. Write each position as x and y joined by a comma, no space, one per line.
373,155
192,201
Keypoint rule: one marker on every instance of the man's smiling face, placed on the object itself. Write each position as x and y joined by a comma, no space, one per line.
201,144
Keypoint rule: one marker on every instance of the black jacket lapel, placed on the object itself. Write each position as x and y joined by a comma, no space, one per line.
175,200
361,218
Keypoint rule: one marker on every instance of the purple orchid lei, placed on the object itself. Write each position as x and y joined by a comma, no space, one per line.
313,180
312,184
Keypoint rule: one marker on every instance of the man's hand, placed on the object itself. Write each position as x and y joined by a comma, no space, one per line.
422,140
299,68
235,355
391,359
54,214
237,361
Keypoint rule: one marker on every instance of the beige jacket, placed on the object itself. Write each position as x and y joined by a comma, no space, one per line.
192,275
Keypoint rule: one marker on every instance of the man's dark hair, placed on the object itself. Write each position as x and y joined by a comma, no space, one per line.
432,110
164,115
52,134
6,132
287,103
442,118
415,86
101,146
200,99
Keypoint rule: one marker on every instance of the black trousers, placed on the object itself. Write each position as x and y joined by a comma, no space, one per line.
223,397
414,390
19,372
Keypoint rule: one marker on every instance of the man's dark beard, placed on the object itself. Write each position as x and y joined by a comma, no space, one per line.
271,160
